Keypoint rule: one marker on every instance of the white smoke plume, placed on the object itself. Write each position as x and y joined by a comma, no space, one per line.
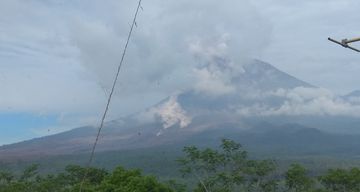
215,69
171,113
178,45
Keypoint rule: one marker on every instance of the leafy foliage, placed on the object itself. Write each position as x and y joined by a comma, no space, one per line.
342,180
225,169
297,179
120,180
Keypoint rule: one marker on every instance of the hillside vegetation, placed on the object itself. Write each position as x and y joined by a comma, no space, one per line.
224,169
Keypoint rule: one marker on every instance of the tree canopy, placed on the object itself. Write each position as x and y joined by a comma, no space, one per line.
227,168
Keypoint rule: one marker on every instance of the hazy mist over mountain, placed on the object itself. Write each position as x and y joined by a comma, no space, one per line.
259,104
195,71
179,95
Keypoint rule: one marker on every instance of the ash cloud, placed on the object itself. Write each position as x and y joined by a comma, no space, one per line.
171,113
215,70
176,44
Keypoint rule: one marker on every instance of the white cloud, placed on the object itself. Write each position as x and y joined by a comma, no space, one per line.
303,94
304,101
45,46
299,42
215,70
173,44
314,101
212,83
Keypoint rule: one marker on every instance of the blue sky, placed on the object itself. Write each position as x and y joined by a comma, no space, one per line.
20,126
57,58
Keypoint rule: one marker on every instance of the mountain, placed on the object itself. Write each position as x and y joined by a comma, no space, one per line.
257,79
253,112
262,139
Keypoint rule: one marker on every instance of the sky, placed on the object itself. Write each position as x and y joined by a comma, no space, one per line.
58,58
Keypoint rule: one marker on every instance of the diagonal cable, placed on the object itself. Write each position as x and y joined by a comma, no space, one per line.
110,96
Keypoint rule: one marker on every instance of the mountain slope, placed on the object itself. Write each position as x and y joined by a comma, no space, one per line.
262,138
199,117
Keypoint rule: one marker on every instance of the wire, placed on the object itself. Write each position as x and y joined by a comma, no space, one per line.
110,96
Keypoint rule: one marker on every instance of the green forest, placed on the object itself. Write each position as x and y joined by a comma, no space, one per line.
227,168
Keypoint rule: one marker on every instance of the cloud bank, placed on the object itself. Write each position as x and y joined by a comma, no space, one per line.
59,57
176,43
304,101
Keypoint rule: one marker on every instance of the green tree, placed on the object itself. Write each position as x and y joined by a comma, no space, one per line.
342,180
25,182
226,170
74,174
29,173
175,186
297,180
122,180
5,178
259,177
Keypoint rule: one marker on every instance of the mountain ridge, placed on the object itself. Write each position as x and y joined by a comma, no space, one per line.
194,114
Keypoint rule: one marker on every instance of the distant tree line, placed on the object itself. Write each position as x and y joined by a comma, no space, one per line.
226,169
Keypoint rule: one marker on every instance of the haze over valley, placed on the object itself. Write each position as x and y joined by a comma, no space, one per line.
177,96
